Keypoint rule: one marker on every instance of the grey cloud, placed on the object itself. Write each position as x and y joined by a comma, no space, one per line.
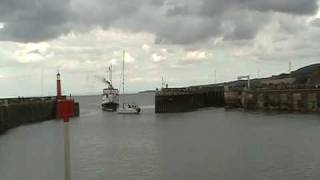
36,51
33,20
172,21
244,25
40,20
181,7
315,22
156,2
299,7
188,31
178,10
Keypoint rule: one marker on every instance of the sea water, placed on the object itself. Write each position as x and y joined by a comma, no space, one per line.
211,143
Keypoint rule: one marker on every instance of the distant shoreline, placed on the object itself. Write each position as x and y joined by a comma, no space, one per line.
147,91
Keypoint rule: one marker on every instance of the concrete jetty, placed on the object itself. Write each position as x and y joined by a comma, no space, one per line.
18,111
300,99
189,98
295,91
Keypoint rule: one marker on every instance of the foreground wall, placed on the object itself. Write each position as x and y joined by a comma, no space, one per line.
14,113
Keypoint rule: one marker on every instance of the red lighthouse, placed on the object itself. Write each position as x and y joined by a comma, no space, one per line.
58,86
64,106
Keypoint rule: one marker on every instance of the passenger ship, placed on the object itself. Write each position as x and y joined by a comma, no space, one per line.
110,97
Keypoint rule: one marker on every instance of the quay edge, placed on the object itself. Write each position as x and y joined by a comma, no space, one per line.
188,99
298,91
18,111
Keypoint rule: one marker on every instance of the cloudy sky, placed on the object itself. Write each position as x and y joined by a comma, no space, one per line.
184,41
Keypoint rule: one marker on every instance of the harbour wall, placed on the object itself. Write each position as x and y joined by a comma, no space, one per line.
292,99
188,99
18,111
298,100
298,90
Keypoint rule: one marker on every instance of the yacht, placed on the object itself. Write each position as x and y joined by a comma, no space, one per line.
126,108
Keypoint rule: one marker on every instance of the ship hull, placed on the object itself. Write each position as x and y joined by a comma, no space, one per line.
110,106
129,111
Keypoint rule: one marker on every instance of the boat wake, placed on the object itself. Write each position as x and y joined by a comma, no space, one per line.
147,107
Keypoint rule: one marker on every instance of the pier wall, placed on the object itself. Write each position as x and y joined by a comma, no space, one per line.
232,99
299,100
188,99
298,90
174,103
18,111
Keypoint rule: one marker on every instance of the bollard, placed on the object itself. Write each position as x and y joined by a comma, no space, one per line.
65,111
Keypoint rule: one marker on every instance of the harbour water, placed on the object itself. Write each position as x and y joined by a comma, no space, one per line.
206,144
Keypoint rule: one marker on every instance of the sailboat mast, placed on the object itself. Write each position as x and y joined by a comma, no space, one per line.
123,73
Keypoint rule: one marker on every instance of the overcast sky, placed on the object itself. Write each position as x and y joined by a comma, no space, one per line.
184,41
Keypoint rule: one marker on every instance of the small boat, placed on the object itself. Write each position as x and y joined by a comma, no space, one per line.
127,108
110,97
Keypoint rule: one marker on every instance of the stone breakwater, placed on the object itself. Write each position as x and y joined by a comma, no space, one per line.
300,99
188,99
291,99
296,91
18,111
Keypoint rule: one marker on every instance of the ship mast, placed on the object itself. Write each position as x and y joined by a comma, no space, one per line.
110,74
